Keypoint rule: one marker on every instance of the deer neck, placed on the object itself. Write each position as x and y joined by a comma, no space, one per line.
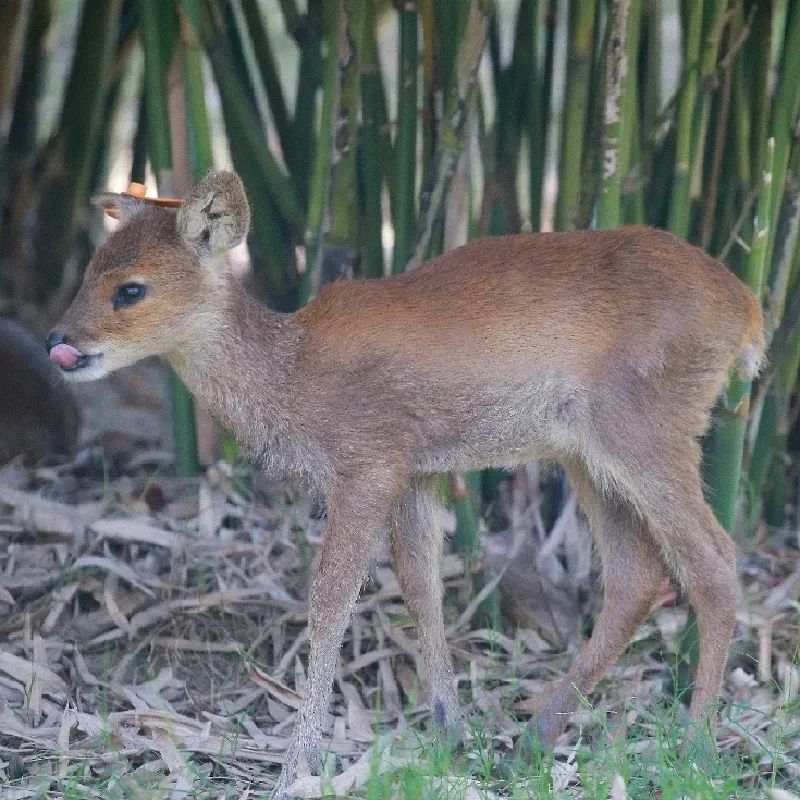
240,364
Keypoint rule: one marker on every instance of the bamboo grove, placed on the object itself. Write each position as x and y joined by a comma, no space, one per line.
406,128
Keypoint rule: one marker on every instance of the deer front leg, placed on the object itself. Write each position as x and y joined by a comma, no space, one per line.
356,516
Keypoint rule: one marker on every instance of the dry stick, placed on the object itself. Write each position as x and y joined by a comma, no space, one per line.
453,128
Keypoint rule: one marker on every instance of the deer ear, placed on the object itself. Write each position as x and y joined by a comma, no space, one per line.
215,216
119,206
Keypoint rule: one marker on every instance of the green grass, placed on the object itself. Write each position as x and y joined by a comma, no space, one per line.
654,759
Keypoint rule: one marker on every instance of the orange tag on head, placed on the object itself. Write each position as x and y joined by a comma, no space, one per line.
138,190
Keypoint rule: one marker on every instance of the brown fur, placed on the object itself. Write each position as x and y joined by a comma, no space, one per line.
603,350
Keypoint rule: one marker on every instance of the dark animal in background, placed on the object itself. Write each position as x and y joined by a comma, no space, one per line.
38,413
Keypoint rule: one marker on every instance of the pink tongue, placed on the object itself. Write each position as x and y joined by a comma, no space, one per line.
65,355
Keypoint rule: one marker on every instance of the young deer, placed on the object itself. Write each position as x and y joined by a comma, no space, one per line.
601,350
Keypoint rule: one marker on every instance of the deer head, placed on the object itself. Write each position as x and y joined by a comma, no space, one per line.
151,286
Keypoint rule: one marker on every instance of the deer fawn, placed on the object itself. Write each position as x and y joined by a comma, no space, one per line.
601,350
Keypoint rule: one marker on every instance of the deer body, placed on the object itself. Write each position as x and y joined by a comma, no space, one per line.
602,350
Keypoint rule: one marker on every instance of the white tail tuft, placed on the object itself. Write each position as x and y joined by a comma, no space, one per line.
751,361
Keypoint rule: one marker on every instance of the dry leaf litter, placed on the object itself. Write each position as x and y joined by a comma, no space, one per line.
153,633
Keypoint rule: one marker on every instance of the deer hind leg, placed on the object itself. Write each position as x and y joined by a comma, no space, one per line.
703,558
634,573
416,543
356,517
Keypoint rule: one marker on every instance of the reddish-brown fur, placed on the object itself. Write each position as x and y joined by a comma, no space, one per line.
602,350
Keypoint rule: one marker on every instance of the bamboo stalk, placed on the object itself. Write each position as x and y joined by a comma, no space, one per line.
592,147
715,22
680,202
652,100
19,145
608,207
78,132
308,33
727,438
718,148
453,128
200,154
630,138
139,156
159,36
271,235
785,110
783,334
268,70
513,87
343,244
373,111
539,110
576,102
431,84
320,175
403,206
243,115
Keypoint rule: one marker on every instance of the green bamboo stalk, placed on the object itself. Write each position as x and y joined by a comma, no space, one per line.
727,438
783,333
201,158
576,102
158,28
680,202
372,111
630,145
343,244
127,40
539,110
769,445
513,86
12,29
159,37
715,221
769,459
785,109
19,146
268,70
291,17
592,148
453,128
784,263
244,117
320,175
715,22
756,63
431,83
652,101
403,207
269,190
308,32
608,206
78,137
139,155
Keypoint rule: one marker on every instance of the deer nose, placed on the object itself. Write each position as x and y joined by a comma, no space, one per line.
54,338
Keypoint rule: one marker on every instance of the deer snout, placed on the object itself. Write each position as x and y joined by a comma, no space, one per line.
62,353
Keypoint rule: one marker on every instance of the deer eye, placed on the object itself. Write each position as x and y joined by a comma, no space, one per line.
127,294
